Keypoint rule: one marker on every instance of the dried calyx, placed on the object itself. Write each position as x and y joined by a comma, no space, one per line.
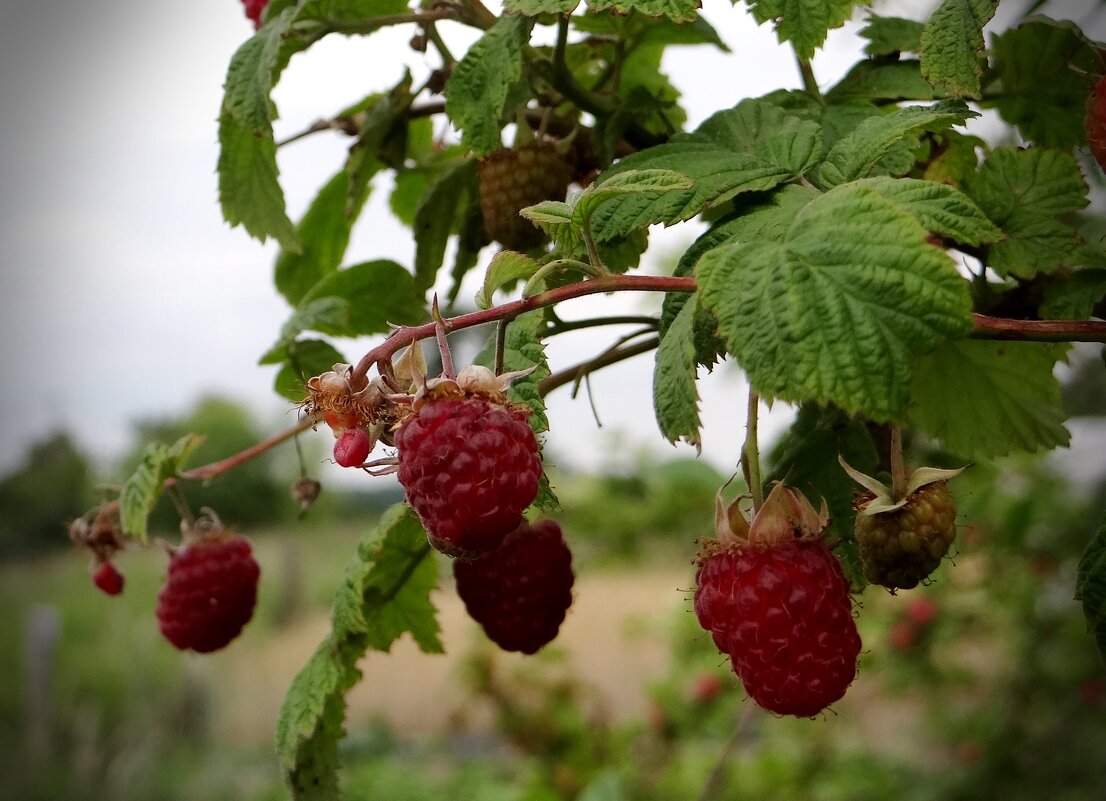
785,516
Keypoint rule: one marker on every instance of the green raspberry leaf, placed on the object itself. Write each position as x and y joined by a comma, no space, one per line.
891,35
249,191
871,81
984,399
765,130
144,486
763,220
648,187
951,45
1090,587
834,311
717,175
323,234
941,209
675,396
506,267
311,719
1075,296
1024,192
804,23
478,89
385,593
555,218
752,147
377,293
438,214
675,10
302,360
533,8
386,589
858,154
1042,73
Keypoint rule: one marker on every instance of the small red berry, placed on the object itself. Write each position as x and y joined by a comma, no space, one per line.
470,467
1095,122
108,578
209,593
352,447
519,593
775,600
254,9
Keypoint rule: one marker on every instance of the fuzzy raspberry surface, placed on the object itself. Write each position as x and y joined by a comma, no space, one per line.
108,578
352,448
209,593
1095,122
469,467
519,593
511,180
783,614
899,549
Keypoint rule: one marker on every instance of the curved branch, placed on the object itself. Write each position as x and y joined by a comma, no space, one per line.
402,337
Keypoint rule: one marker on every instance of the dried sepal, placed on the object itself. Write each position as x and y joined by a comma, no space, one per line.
345,400
410,367
880,498
785,516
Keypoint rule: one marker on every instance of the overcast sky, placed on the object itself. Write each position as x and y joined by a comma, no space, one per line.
124,294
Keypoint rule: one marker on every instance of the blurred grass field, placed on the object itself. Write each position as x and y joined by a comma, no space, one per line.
1001,697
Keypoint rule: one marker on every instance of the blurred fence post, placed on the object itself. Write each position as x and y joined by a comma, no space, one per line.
42,632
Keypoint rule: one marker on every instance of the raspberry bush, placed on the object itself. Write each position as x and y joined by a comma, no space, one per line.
902,254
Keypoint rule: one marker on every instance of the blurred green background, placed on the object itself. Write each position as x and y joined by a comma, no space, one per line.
983,684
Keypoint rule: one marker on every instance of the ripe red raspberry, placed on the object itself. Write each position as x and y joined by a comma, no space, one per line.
352,447
108,578
511,180
469,464
1095,122
254,9
210,592
775,600
519,593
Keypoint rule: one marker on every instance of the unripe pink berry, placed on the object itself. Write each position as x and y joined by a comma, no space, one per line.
352,448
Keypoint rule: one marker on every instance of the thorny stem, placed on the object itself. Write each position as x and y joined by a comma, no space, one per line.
402,337
984,327
898,467
750,452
